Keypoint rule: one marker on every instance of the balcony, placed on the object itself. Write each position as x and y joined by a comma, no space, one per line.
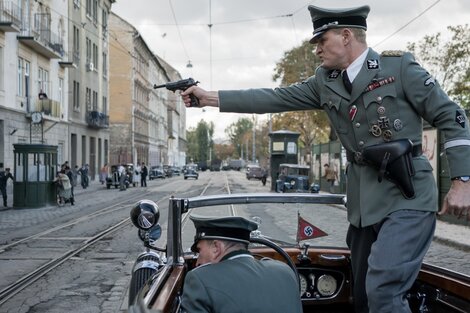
70,59
10,17
97,119
41,39
49,108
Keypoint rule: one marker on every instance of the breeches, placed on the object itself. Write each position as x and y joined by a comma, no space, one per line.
386,259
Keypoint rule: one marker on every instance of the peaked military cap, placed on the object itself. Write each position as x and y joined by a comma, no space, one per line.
325,19
233,228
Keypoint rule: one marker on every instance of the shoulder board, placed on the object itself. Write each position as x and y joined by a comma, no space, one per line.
392,53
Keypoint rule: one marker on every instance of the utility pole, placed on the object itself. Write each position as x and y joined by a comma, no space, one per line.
253,156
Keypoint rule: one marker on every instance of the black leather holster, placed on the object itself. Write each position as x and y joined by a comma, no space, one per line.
394,161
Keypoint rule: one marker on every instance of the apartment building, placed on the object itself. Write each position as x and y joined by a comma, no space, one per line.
143,121
88,83
49,92
33,46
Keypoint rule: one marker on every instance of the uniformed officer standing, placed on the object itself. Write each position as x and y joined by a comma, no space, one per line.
376,103
229,279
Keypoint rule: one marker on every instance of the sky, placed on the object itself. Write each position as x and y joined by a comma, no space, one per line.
248,37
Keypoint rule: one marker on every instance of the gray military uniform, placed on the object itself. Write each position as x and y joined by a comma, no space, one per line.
391,91
240,283
389,98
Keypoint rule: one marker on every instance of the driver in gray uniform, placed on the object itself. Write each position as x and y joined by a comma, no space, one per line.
229,279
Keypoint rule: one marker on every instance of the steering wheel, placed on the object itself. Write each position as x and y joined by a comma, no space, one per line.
275,247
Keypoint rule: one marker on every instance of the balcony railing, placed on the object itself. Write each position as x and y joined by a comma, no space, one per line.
41,38
10,16
70,59
97,119
48,107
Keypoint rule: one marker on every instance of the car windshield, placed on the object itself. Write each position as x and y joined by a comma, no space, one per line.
297,171
279,222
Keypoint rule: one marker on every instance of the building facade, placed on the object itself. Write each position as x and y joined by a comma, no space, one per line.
33,78
49,93
145,122
88,83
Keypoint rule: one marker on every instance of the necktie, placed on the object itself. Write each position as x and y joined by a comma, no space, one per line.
346,81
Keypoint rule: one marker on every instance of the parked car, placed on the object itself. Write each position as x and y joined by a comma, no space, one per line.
156,172
254,171
113,179
293,178
176,171
191,172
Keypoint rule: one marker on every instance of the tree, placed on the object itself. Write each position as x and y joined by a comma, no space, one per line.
238,132
448,60
200,141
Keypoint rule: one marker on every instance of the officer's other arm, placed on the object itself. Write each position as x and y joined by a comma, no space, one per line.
431,102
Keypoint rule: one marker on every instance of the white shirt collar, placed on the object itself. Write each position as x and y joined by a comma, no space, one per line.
354,68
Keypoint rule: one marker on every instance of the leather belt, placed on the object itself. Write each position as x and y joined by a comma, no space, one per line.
356,157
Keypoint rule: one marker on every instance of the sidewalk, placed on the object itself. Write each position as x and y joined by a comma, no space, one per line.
78,190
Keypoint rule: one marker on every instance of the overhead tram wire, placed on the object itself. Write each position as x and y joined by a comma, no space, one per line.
408,23
178,29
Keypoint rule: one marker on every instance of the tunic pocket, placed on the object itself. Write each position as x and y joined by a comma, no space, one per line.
336,108
380,95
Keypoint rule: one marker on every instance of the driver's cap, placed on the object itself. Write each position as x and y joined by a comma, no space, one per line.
232,228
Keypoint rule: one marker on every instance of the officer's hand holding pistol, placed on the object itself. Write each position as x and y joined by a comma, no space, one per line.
206,98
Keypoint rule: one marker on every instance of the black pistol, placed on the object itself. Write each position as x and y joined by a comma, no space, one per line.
181,85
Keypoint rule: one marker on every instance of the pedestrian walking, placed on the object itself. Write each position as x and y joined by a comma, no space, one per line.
136,176
83,171
75,175
144,172
376,104
331,176
122,177
4,176
104,173
69,174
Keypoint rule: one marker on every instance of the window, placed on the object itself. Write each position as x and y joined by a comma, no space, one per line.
104,23
95,101
76,4
88,8
23,78
105,65
95,55
88,99
76,95
105,106
43,80
1,68
95,11
60,95
76,43
88,50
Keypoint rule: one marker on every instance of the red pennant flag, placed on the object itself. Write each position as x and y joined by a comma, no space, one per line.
307,231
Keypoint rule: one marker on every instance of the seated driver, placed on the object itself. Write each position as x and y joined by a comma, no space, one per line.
229,279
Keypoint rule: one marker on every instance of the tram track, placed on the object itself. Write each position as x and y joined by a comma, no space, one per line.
16,287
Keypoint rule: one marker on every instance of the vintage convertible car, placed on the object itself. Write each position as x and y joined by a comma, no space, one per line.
321,263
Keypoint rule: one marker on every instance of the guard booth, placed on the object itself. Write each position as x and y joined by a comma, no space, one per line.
34,172
284,149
